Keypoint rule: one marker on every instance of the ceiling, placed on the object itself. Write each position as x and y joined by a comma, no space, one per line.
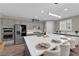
39,10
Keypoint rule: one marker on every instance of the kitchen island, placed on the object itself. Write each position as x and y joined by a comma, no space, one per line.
33,41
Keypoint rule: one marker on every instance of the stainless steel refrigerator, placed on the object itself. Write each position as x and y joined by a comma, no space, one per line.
19,33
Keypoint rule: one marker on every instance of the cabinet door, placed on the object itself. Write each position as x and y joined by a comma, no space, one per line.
10,23
69,25
66,25
7,23
63,25
4,23
23,22
17,21
59,25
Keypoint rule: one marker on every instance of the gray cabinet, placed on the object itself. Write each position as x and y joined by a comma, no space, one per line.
69,25
7,23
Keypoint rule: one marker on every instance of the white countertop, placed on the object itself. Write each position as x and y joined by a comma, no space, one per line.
32,41
32,31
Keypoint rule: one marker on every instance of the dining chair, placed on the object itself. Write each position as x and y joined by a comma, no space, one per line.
52,52
65,49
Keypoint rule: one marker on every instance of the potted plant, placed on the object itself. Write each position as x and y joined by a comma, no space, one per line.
76,32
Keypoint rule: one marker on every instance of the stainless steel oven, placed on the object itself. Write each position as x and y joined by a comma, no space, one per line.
8,34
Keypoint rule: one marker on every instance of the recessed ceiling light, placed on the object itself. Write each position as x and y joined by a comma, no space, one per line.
65,9
42,11
36,17
51,14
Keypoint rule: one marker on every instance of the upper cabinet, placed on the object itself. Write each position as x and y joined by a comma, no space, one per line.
69,25
7,23
65,25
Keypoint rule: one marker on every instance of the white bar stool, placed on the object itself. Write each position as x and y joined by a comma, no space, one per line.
52,52
72,42
65,49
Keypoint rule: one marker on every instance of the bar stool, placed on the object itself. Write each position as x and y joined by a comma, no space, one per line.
65,49
72,42
52,52
76,40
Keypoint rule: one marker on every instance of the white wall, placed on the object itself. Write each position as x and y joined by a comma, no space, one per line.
0,29
50,26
